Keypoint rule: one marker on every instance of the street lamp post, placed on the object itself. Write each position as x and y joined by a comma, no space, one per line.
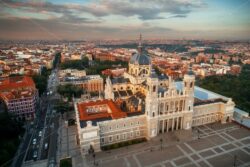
241,121
94,158
161,143
235,159
198,133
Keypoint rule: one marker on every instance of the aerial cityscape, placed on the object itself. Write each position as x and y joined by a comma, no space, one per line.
112,83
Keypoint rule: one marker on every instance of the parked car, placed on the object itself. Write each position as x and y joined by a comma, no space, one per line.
35,154
46,146
40,133
34,141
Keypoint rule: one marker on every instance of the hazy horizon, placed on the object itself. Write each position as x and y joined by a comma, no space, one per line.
124,20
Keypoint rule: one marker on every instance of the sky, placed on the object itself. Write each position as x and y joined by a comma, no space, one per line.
124,19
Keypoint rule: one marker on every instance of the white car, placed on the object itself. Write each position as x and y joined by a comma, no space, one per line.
35,154
46,146
34,141
40,133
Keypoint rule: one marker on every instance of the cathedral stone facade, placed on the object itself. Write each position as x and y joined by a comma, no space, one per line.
142,104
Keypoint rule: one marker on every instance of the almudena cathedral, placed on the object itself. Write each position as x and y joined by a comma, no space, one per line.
142,104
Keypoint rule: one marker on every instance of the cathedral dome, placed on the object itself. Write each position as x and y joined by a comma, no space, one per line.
141,59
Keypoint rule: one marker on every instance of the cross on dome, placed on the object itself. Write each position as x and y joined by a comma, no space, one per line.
140,44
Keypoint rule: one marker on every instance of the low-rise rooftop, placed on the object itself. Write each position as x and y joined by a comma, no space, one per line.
16,83
99,109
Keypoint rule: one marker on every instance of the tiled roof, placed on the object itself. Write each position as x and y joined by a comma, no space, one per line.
16,83
115,112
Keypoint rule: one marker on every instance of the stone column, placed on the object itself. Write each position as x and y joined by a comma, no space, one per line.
177,123
183,105
181,122
163,124
158,127
173,124
167,124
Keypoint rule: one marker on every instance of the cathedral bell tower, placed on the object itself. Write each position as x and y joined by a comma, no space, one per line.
188,90
152,106
189,80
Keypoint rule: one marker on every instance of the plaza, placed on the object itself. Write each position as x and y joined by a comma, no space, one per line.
215,145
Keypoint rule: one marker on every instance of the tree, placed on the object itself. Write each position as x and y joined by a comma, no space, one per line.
237,87
57,59
70,90
10,129
62,107
67,162
41,81
98,66
76,64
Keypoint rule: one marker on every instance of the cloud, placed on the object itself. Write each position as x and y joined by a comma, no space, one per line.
177,16
17,28
58,12
143,9
19,18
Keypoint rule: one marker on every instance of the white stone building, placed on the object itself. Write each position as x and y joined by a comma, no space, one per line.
146,104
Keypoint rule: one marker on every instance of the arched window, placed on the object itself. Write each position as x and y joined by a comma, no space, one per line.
143,71
191,84
154,88
153,114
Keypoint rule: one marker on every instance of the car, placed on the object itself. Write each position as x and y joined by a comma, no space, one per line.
34,141
35,154
51,163
40,133
46,146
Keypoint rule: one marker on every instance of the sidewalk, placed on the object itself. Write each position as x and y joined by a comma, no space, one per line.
67,144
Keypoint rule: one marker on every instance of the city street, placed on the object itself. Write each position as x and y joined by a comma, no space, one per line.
41,138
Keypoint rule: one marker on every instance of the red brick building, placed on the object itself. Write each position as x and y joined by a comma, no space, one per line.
20,96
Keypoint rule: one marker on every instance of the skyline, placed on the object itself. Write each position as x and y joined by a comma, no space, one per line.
117,19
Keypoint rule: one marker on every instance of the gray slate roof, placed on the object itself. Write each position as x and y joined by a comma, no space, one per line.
141,59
